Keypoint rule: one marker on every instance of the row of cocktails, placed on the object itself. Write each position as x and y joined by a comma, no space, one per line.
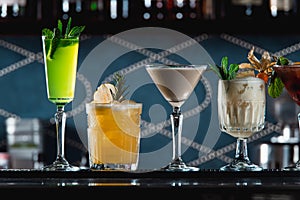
114,122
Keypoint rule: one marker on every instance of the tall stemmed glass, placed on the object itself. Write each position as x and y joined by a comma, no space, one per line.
176,83
241,111
290,76
60,73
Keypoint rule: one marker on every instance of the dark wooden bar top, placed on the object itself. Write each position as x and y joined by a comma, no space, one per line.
206,184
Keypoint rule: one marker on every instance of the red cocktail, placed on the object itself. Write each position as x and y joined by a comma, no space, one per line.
290,76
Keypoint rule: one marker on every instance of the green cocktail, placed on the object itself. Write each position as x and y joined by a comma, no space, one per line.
61,70
60,50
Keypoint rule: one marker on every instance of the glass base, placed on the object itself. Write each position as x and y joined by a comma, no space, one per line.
179,166
60,164
114,166
241,166
295,167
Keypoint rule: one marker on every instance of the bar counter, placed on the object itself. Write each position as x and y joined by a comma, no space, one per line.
206,184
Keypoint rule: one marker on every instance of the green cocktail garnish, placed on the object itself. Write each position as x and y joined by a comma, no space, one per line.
276,86
224,71
57,34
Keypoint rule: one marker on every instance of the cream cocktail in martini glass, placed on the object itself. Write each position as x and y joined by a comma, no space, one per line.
176,83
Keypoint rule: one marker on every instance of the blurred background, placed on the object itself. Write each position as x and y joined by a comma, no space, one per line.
222,27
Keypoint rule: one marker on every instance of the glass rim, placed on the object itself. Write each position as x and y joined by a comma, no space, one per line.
75,38
119,105
289,65
243,79
161,65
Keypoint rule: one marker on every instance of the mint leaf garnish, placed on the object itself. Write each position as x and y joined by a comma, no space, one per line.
54,43
217,70
75,31
60,27
275,87
47,33
282,61
68,28
57,34
224,71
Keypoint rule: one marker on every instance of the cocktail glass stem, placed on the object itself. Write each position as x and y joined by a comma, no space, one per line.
241,152
177,162
241,161
298,162
296,166
60,162
176,120
60,120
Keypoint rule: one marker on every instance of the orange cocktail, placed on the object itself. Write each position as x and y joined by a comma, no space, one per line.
114,135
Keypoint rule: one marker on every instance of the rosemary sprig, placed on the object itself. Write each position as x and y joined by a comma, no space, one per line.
121,88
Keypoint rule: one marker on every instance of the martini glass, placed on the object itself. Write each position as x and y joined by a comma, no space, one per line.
290,76
176,83
241,111
60,73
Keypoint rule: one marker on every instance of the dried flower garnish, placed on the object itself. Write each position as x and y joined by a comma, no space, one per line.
257,68
265,71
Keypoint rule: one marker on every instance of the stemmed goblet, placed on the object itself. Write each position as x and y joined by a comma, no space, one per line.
176,83
60,60
241,112
290,76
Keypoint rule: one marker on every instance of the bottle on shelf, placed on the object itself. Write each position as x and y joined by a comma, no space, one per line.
283,8
13,9
208,9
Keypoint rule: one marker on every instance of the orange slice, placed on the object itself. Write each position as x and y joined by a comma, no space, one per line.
104,93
